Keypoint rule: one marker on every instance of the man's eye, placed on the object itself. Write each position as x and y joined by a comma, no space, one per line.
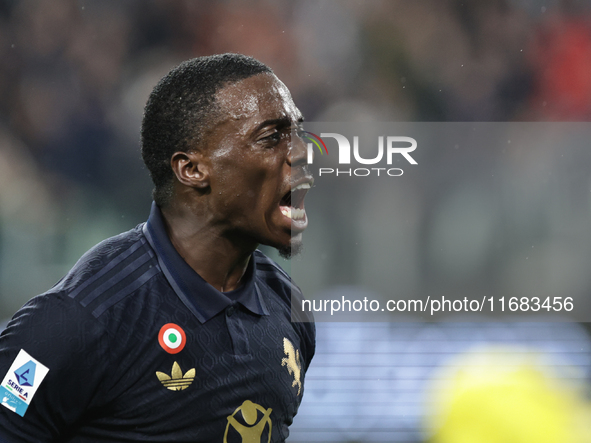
275,137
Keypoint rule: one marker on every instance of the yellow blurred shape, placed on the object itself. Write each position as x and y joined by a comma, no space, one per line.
502,396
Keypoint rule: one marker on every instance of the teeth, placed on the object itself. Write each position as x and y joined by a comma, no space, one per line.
294,213
298,214
302,186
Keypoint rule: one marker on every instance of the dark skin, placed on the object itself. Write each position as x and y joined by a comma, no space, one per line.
228,191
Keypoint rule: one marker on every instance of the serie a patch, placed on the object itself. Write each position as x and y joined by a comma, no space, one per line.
21,382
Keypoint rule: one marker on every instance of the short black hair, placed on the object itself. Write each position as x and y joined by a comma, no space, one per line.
180,108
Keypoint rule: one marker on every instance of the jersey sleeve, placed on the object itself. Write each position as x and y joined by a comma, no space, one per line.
53,355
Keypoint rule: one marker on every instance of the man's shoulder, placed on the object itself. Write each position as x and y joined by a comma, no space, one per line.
109,271
266,264
282,284
110,248
269,271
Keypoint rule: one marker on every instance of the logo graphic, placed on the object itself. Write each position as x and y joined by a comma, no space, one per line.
394,145
21,382
176,381
293,363
9,403
25,375
172,338
254,426
390,149
315,142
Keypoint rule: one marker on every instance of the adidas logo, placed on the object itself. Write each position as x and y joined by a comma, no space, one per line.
176,381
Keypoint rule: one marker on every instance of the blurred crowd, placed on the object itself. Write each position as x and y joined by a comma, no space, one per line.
75,75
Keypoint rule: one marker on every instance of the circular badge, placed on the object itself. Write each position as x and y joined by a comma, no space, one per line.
172,338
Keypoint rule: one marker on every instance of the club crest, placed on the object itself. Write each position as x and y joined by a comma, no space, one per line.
292,361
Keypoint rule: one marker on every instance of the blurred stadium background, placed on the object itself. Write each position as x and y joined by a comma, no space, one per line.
75,74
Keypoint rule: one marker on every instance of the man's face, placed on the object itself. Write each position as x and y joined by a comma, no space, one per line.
258,171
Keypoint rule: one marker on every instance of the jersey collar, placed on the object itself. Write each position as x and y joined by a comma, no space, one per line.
199,296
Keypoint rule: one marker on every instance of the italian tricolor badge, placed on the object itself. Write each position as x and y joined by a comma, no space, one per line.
172,338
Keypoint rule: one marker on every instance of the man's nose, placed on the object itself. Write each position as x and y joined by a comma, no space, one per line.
297,151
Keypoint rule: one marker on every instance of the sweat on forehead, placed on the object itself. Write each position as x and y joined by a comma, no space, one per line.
259,96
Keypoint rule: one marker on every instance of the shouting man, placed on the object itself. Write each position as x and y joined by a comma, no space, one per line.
179,330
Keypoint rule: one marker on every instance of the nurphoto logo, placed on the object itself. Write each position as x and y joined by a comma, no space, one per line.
388,147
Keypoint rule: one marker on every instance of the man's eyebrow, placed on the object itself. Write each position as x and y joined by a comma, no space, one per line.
278,122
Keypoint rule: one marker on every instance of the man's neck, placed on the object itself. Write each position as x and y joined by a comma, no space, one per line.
216,258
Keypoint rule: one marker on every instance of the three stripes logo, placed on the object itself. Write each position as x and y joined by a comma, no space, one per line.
176,381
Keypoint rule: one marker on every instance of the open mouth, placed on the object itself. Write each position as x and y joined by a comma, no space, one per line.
292,203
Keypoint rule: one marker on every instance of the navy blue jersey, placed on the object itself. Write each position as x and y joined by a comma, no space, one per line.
133,345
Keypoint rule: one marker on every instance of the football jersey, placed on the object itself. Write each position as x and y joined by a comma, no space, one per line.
133,345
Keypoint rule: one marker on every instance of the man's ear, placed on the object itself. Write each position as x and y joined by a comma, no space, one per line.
190,169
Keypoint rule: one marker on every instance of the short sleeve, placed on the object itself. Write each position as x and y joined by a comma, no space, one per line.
55,332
